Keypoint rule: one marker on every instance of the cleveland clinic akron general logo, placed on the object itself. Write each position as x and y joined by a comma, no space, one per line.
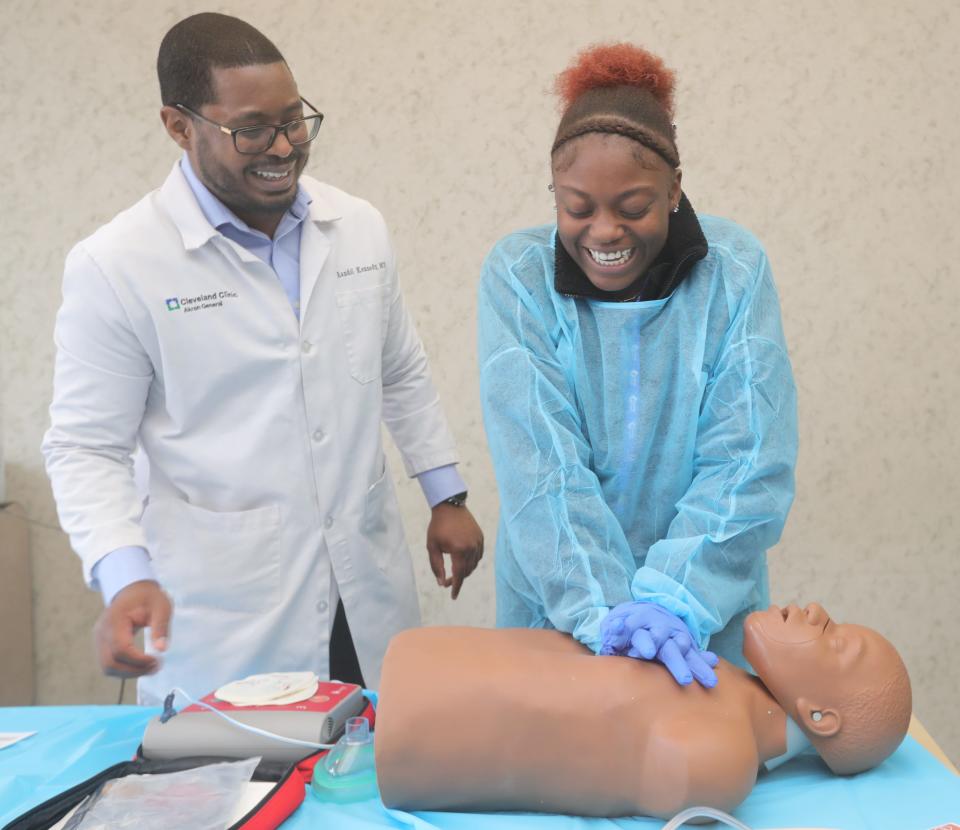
201,301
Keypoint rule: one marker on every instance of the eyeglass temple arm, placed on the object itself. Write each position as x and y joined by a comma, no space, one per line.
224,130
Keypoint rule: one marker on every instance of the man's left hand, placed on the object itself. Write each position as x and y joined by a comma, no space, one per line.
453,531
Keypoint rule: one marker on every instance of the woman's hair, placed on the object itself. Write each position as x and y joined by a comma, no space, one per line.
618,89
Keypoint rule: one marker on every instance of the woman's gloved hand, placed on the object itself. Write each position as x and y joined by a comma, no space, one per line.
648,631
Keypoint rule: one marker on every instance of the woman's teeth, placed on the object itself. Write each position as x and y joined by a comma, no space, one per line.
610,258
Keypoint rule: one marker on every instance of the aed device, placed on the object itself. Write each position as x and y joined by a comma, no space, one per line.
195,730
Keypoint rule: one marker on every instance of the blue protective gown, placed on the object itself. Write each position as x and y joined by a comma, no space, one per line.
643,450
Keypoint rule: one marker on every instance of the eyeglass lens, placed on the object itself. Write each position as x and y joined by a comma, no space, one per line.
258,139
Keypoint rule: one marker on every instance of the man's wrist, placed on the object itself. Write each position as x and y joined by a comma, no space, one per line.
120,568
457,500
441,483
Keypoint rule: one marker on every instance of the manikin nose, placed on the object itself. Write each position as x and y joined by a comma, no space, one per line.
815,614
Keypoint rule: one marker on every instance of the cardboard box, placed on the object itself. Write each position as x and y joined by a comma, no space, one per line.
16,609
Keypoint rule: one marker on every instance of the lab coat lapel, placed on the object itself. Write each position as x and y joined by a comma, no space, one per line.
181,206
316,240
195,230
315,247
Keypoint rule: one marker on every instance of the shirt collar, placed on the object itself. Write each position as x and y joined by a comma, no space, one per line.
219,215
685,245
183,207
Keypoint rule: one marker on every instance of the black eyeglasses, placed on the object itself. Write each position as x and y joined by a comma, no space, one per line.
258,139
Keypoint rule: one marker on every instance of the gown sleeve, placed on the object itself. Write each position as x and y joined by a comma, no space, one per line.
707,566
563,540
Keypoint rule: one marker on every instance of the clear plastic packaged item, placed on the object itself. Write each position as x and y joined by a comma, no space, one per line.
347,773
201,798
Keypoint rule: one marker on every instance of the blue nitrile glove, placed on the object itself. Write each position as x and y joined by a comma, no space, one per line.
648,631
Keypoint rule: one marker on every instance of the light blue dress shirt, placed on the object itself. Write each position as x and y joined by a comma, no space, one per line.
126,565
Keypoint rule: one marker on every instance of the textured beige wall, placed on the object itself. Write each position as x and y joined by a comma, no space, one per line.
829,129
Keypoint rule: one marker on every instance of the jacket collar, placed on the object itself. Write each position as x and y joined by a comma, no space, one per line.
194,227
685,245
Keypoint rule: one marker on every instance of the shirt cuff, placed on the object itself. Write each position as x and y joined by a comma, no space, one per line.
440,483
120,568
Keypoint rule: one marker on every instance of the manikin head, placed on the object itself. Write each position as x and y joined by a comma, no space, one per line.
844,685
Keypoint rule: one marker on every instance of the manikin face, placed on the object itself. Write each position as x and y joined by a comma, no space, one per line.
811,664
259,187
613,206
801,642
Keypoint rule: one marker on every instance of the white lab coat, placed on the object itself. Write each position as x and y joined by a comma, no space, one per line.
267,471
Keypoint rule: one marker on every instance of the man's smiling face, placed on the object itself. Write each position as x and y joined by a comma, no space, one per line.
252,186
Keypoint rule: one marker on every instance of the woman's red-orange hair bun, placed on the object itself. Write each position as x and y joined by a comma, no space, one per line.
616,64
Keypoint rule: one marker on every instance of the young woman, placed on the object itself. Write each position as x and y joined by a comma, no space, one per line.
637,394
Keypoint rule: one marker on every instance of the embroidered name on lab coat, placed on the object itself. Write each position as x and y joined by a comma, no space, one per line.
361,269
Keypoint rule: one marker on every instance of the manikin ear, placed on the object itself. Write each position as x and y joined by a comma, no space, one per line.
178,126
818,720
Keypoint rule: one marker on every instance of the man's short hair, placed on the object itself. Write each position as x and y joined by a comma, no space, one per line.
198,44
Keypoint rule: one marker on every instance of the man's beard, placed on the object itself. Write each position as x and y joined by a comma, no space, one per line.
224,186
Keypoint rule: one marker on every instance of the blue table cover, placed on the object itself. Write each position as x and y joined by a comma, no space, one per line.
909,791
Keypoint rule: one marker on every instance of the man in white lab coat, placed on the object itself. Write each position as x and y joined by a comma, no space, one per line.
244,325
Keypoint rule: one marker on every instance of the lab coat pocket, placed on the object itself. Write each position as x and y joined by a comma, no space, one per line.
380,526
203,558
362,315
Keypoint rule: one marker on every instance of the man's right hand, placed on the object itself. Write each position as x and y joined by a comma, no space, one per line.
141,604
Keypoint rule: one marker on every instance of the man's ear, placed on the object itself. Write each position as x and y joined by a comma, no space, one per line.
178,125
818,720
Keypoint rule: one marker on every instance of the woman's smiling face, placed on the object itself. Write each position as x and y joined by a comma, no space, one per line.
614,198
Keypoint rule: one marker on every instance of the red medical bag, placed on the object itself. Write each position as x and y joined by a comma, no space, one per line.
289,782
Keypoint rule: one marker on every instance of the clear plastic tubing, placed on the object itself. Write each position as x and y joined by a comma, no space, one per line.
704,812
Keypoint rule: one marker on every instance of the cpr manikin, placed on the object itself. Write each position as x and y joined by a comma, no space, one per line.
529,719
